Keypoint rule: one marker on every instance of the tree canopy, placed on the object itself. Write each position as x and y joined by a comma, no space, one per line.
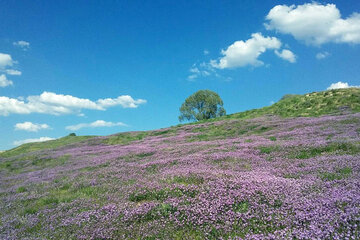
204,104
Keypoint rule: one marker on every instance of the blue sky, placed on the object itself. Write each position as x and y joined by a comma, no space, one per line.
102,67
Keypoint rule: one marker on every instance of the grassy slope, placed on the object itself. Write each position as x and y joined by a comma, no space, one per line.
308,105
31,147
35,186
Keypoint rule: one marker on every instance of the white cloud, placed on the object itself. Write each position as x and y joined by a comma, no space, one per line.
22,44
59,104
67,101
96,124
125,101
206,52
41,139
4,82
196,72
6,60
13,72
240,53
322,55
30,127
339,85
287,55
314,23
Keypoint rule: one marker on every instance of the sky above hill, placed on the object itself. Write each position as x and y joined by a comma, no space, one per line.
102,67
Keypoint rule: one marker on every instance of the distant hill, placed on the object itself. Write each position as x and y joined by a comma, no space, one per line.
291,105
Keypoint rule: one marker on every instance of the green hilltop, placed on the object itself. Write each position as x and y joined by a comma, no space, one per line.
313,104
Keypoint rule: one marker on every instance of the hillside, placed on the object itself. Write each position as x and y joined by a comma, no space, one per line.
287,171
310,105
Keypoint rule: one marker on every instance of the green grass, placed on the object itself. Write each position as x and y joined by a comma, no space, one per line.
30,163
308,105
129,137
126,138
160,194
96,167
341,148
66,193
227,130
136,157
32,147
241,207
21,189
186,180
272,138
338,175
268,149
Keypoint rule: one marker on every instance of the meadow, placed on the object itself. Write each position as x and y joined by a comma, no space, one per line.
262,177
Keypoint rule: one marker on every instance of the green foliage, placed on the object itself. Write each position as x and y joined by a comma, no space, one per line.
21,189
72,135
204,104
272,138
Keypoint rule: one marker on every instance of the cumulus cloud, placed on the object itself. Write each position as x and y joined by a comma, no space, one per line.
322,55
13,72
314,23
4,82
30,140
31,127
243,53
339,85
59,104
96,124
22,44
287,55
6,60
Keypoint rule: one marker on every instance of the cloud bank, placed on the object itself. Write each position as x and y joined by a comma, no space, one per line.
59,104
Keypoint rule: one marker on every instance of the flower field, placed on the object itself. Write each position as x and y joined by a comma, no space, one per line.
260,178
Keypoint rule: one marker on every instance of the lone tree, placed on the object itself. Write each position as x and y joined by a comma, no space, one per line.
204,104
